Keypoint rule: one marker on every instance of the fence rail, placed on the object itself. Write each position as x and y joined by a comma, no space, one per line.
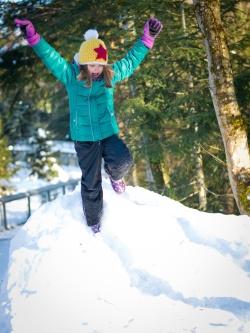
26,202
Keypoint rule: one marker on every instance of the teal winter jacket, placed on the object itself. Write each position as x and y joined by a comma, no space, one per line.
92,114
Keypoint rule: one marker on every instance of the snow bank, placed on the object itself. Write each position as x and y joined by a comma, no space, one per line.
156,267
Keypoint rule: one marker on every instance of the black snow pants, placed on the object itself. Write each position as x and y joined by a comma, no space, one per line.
117,162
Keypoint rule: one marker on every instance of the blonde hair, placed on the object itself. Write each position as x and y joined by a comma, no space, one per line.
108,74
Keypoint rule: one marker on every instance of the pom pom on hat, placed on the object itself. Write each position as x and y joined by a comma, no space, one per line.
91,33
93,50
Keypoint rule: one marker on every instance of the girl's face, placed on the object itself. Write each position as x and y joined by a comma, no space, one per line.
95,70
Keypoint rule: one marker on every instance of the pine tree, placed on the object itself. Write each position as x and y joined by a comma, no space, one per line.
42,160
5,161
170,125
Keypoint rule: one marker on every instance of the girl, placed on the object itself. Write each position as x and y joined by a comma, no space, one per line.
90,82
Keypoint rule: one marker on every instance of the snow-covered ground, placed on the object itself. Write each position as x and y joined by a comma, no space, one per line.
156,267
17,211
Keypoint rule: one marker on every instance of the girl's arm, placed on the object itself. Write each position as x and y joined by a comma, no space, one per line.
126,66
57,65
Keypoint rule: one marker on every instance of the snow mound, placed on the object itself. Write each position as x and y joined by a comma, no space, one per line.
156,267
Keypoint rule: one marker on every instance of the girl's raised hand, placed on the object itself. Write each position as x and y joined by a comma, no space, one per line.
28,30
151,30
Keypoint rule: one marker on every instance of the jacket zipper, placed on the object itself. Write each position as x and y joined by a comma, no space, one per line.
90,115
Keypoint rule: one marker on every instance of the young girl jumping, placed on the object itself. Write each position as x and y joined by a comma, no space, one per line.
90,83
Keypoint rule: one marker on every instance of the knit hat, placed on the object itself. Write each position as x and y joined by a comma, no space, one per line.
93,50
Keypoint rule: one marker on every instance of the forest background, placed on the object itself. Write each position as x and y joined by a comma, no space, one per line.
165,111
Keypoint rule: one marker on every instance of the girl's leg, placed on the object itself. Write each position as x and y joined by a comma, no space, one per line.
117,157
90,159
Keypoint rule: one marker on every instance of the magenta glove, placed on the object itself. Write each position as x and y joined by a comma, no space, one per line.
151,30
29,31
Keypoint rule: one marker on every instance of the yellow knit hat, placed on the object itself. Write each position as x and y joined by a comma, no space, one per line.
93,50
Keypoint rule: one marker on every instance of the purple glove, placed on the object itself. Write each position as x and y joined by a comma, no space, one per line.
151,30
29,31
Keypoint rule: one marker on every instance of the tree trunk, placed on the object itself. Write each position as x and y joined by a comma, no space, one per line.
134,176
230,203
223,95
157,175
200,178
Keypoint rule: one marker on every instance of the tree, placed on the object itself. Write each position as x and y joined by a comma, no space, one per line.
41,159
5,161
165,109
222,89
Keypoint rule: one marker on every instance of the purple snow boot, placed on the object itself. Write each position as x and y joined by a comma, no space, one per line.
118,185
96,228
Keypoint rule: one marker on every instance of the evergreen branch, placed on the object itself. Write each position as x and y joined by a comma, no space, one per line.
218,195
216,148
217,159
189,196
183,186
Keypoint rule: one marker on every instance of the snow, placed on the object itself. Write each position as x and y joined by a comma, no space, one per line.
156,267
21,181
56,146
